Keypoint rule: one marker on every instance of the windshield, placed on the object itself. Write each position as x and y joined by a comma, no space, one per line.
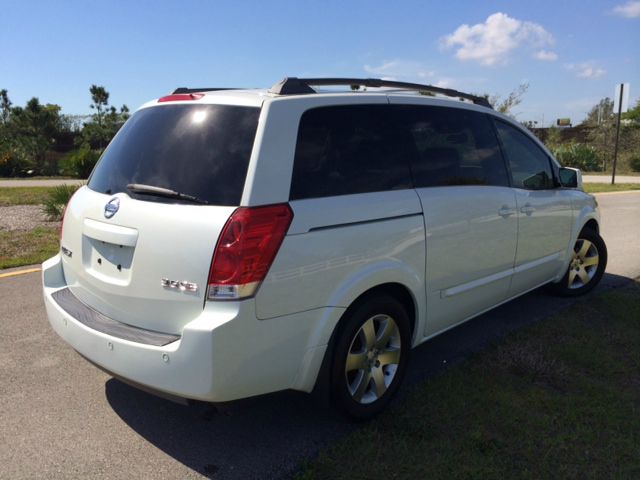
201,151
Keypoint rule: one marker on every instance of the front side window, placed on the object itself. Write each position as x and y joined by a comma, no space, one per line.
453,146
346,150
530,166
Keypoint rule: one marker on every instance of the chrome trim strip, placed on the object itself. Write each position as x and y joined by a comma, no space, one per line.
364,222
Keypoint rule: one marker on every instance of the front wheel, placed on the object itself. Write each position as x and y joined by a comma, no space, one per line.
370,357
587,265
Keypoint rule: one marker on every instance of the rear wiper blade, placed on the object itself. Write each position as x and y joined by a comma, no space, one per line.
163,192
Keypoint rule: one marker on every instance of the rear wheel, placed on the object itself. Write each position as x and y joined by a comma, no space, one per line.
586,267
370,357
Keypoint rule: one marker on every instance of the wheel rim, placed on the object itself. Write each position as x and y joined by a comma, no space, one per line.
584,264
373,358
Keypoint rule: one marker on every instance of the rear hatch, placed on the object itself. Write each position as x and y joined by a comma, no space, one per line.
138,240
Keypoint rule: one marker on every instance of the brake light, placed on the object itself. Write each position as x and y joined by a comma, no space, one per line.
181,97
247,246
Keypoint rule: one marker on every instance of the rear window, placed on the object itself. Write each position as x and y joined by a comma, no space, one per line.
202,151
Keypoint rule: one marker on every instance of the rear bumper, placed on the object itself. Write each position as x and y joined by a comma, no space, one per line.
224,354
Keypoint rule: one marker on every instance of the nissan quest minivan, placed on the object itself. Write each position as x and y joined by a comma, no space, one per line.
231,243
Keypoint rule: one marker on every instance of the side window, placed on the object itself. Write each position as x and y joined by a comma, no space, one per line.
530,166
453,146
344,150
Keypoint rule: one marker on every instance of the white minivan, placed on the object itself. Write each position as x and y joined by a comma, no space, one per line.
232,243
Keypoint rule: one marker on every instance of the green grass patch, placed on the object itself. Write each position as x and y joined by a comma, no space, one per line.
19,247
607,187
559,399
24,195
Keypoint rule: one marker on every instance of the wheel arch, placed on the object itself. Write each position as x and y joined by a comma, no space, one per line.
397,290
591,224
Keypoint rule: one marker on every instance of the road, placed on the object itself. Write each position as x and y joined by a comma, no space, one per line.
62,418
40,182
607,178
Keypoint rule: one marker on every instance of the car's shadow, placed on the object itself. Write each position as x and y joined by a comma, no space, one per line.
268,436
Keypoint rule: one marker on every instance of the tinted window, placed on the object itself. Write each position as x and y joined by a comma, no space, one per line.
348,149
454,146
202,151
530,166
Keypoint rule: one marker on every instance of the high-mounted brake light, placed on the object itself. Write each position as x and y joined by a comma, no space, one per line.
247,246
181,97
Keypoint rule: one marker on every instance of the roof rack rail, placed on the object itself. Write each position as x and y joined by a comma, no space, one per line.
294,85
196,90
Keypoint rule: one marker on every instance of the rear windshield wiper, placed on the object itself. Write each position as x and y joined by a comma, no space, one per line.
163,192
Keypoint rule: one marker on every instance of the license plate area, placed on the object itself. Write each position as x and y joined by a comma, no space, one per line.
108,262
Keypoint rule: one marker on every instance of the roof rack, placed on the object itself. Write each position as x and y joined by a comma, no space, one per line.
294,85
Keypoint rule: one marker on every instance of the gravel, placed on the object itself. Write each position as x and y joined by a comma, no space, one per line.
23,217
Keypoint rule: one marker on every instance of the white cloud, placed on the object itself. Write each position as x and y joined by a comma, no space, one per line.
545,56
630,9
405,69
586,69
491,42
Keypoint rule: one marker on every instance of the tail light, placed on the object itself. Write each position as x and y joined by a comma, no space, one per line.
247,246
181,97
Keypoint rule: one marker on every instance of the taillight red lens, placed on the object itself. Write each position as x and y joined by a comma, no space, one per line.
247,246
181,97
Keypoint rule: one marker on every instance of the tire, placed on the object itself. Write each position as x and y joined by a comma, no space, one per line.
370,357
586,267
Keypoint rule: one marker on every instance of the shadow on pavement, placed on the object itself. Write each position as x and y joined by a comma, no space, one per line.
268,436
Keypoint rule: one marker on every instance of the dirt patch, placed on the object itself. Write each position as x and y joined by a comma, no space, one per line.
23,218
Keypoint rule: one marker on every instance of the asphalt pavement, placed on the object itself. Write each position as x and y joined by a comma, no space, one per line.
62,418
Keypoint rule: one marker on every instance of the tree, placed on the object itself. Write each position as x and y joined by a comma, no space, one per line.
100,98
600,114
105,123
34,129
633,113
512,100
5,106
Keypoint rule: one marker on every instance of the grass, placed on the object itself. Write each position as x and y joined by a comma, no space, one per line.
559,399
607,187
24,195
19,248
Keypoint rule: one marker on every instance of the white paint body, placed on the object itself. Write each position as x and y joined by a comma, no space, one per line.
459,251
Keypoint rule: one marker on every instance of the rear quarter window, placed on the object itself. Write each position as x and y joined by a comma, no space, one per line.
198,150
343,150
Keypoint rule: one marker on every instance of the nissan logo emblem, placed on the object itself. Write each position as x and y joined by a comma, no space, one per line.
112,207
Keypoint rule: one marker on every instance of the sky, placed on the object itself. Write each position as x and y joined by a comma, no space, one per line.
571,53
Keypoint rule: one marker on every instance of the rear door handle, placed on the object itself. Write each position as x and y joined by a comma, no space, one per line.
528,209
505,211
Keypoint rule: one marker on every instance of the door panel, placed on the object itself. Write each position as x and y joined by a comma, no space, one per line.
544,211
471,242
544,224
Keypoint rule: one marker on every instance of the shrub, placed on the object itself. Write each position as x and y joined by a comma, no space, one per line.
635,164
56,200
80,163
578,155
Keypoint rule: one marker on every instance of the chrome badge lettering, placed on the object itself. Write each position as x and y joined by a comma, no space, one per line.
111,208
183,285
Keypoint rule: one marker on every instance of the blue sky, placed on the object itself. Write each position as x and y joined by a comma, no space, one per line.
572,53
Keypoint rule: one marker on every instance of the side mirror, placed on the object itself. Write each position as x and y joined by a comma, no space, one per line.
570,177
